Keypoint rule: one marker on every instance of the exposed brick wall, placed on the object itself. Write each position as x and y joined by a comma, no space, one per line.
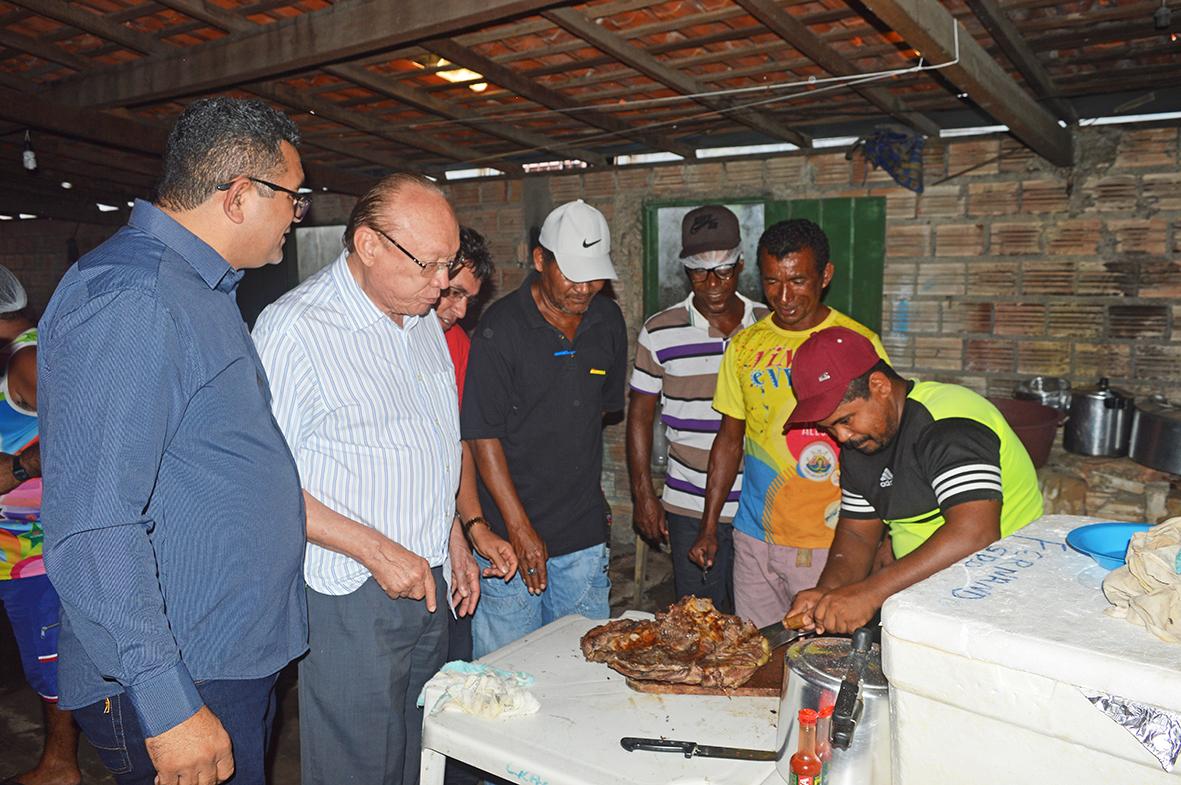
1006,267
38,252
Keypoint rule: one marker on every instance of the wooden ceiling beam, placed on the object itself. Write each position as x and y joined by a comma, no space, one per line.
370,124
1097,34
388,163
76,16
57,164
201,9
552,99
427,103
94,126
794,32
530,26
109,130
622,49
215,16
45,51
345,30
928,27
679,42
1011,41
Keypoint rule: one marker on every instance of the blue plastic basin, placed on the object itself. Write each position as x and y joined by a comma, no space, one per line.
1106,543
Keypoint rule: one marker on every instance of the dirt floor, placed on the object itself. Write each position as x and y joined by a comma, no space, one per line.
20,711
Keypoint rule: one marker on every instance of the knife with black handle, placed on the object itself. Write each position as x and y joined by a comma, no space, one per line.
692,749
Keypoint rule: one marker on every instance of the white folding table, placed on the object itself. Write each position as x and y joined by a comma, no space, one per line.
585,709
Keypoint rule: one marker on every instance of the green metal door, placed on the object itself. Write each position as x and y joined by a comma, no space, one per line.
856,229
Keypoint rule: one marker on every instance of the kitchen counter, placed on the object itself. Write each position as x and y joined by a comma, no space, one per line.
585,709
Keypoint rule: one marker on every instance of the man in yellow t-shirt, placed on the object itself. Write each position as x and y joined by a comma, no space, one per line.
790,496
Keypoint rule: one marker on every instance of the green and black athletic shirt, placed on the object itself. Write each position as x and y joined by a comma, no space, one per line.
952,446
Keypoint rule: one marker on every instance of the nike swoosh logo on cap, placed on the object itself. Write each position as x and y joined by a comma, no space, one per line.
585,244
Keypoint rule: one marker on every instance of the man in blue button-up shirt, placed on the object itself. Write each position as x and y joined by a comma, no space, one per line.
174,524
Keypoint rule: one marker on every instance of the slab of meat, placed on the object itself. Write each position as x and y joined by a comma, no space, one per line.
690,643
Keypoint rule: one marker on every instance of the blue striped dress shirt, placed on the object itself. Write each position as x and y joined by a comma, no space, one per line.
371,414
174,525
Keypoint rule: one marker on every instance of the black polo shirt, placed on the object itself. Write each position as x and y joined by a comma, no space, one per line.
544,398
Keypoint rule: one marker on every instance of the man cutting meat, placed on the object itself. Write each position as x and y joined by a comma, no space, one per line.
936,463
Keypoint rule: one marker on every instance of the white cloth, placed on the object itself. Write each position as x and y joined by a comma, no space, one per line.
1147,589
371,414
479,689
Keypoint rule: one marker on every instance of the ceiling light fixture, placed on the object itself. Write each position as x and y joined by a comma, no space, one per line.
451,74
67,184
28,157
1162,16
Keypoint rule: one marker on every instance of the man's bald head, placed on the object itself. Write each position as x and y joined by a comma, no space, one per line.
386,198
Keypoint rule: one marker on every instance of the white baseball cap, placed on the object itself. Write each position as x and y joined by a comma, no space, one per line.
578,236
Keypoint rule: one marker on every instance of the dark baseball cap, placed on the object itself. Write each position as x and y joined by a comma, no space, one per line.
822,368
709,228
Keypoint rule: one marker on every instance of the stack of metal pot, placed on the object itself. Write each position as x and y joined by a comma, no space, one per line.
1100,421
1156,435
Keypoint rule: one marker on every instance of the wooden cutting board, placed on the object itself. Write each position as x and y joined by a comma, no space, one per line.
767,682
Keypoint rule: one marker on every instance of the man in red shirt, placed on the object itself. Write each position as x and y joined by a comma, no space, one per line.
474,267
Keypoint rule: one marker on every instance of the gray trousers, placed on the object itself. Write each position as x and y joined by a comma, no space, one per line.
369,658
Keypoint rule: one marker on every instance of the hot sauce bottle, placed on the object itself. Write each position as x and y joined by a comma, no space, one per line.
823,745
806,767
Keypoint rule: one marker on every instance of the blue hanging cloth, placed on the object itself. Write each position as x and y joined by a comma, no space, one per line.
897,150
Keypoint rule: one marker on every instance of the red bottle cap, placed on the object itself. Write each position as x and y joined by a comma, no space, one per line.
807,716
825,712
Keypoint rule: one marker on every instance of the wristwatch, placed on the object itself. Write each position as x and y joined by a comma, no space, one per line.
18,471
470,522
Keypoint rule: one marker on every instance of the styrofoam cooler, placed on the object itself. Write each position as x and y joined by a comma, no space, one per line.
988,661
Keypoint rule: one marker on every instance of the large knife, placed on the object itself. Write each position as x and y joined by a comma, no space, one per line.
691,748
783,632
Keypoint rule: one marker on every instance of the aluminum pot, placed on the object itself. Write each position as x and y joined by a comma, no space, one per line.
815,670
1052,391
1156,435
1100,421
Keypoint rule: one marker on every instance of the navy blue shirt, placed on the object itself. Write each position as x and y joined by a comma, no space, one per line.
174,523
543,397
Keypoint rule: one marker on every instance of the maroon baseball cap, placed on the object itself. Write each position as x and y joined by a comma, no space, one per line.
822,368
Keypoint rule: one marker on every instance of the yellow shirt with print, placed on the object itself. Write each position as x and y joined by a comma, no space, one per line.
791,492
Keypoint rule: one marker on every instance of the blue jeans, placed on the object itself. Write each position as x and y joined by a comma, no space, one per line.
688,578
576,583
245,707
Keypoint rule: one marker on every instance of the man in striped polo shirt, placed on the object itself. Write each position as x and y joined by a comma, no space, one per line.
680,350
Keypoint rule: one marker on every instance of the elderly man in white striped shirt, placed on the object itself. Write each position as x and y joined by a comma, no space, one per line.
365,394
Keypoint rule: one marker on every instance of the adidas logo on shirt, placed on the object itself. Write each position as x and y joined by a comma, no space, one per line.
887,478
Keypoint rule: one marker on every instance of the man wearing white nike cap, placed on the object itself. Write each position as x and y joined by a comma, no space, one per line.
547,361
